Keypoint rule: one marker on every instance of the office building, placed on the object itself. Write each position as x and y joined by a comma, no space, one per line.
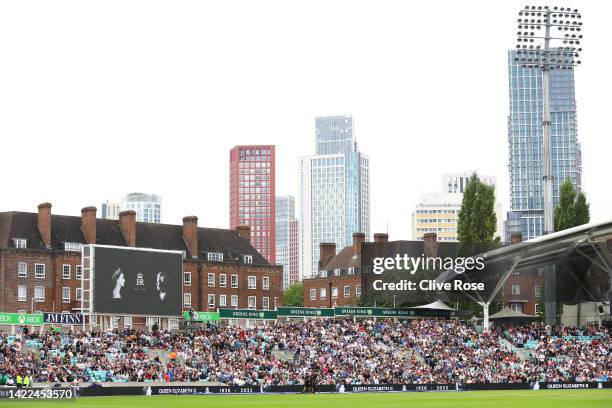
110,211
334,190
287,239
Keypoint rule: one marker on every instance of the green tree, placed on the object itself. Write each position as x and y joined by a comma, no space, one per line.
572,210
294,295
477,221
582,210
564,215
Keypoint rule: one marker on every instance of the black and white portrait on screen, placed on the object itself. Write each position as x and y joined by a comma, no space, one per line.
137,282
119,282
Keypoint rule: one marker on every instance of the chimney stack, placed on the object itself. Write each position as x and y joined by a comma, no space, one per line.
88,224
127,224
326,250
244,231
430,244
516,237
190,234
358,239
380,244
44,223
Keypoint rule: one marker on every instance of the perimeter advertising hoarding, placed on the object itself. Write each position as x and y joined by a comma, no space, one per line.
137,281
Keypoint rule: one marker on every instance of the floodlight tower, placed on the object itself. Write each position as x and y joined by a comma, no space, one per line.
548,39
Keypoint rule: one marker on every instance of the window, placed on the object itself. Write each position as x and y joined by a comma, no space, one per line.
266,283
336,272
347,291
187,300
517,307
234,281
39,293
215,256
252,282
66,272
335,293
39,271
252,302
323,293
537,292
248,259
234,300
313,294
127,322
211,300
358,290
222,300
20,243
211,280
265,303
223,280
73,246
537,309
79,272
323,274
79,294
22,269
516,289
21,293
351,270
65,295
187,278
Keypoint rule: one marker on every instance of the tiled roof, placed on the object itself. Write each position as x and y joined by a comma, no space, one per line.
148,235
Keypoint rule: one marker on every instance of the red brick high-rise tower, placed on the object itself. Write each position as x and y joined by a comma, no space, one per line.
252,195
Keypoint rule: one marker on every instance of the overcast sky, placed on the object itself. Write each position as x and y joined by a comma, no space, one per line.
98,99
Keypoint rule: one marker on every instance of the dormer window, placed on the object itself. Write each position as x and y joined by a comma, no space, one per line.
351,270
215,256
323,274
247,259
73,246
337,272
20,243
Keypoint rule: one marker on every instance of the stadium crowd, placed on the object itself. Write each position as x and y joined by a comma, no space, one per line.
338,350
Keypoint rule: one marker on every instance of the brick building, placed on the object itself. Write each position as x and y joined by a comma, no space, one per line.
40,260
340,281
337,282
523,292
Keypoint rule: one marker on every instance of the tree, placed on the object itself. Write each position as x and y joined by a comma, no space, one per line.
572,210
582,211
564,211
477,220
294,295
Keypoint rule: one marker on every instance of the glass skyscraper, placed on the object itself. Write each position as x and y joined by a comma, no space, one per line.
525,138
334,190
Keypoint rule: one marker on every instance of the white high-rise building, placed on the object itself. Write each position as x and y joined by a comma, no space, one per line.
334,190
287,240
147,206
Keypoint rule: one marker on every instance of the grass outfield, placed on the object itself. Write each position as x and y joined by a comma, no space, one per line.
467,399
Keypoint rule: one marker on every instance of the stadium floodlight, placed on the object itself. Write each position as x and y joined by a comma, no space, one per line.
548,39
